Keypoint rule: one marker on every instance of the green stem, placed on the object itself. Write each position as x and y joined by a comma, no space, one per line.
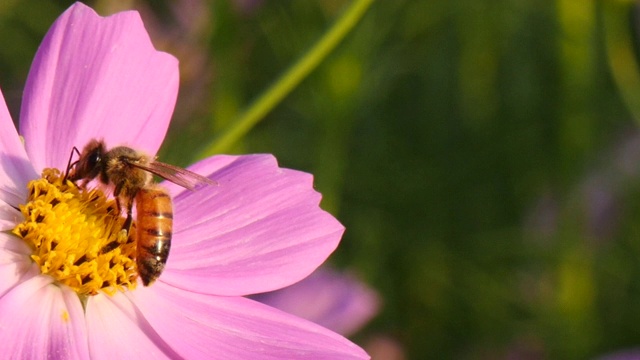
620,52
288,81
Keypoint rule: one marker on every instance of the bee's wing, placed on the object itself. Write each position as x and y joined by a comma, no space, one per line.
175,174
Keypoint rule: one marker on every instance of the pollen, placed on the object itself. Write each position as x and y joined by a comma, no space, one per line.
76,236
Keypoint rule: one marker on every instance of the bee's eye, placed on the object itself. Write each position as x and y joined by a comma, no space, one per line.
94,159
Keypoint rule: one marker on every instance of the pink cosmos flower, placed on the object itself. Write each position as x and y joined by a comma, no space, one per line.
259,230
335,300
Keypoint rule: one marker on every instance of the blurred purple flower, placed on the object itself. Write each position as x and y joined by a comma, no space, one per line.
337,301
629,354
382,346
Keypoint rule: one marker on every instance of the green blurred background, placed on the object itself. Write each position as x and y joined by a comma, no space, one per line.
483,154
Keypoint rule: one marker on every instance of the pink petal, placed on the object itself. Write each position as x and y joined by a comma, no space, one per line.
334,300
15,263
9,215
15,169
258,230
96,77
117,331
41,320
201,326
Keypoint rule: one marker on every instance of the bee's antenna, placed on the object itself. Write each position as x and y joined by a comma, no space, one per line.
69,164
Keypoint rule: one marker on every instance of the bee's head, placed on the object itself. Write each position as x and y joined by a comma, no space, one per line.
91,161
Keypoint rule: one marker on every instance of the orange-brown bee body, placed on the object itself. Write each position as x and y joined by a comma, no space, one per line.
154,224
129,171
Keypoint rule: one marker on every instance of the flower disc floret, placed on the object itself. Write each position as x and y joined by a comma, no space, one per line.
76,236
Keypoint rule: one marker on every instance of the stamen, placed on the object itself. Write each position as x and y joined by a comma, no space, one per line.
77,237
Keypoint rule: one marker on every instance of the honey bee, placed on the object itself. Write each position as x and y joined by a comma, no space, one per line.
131,174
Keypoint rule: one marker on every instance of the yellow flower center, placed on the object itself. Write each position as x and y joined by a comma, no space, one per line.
77,236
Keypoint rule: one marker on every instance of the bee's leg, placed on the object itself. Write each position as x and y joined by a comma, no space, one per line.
70,164
116,194
127,223
129,202
118,206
